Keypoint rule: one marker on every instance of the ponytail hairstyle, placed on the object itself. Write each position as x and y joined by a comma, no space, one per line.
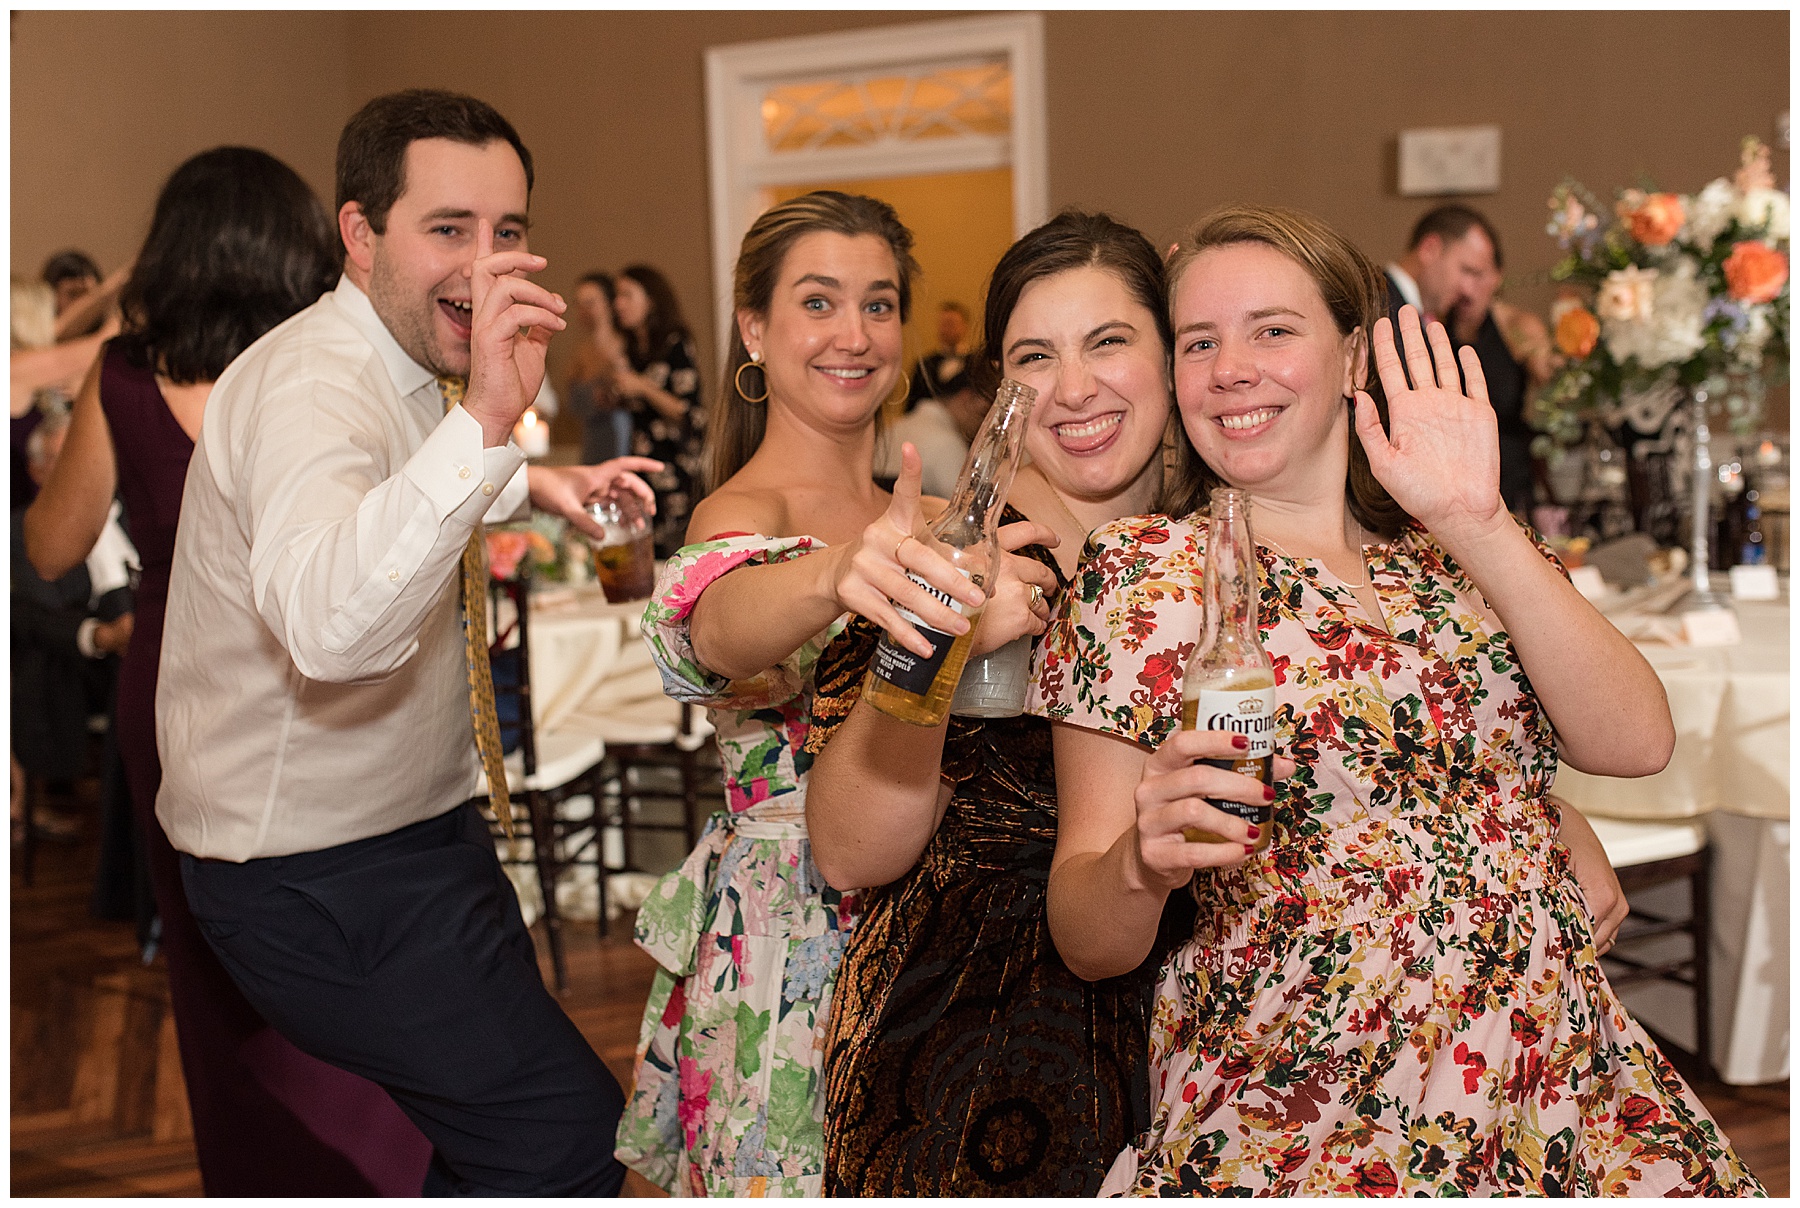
735,429
1355,293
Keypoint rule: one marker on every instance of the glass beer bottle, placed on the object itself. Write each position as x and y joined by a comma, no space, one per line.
1229,683
903,684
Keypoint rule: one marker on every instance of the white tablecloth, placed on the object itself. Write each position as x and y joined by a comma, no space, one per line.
580,647
1730,767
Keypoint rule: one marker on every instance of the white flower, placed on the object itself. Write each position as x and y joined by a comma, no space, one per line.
1627,295
1748,354
1760,207
1665,329
1710,212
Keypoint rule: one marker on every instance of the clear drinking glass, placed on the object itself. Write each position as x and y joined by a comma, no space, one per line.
995,684
625,560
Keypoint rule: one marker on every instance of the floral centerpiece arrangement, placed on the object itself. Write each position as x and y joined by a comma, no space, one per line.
540,546
1673,293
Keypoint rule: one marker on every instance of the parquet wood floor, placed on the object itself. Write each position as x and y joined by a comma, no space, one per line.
98,1107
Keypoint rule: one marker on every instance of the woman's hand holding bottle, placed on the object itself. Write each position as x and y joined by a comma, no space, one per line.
1173,797
870,576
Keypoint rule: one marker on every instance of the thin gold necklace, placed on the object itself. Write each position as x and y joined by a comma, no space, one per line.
1361,535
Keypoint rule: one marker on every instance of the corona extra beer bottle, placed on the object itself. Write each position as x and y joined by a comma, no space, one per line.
903,684
1229,683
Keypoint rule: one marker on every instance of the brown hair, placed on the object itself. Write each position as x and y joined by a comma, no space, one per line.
1355,292
663,325
1071,240
735,429
1450,223
371,152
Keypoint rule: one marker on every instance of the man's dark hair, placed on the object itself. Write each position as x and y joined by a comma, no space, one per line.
70,265
371,155
237,244
1450,223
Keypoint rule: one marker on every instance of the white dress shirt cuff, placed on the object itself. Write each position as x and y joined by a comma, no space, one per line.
461,478
84,640
512,501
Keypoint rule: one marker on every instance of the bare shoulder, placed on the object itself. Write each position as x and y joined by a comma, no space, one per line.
735,508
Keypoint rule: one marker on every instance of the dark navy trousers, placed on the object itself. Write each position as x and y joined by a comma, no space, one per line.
403,958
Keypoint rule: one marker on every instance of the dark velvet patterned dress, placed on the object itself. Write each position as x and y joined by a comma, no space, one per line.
678,444
964,1058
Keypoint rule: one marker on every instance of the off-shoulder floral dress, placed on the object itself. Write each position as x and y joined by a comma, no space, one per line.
1400,994
727,1096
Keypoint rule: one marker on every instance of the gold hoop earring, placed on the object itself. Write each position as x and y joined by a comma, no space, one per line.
737,380
905,389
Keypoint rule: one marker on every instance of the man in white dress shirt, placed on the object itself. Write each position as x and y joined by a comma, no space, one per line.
313,713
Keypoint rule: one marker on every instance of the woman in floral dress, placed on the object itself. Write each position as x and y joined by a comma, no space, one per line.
1399,994
747,933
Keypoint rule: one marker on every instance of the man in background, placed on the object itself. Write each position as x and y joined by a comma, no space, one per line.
941,429
322,721
934,374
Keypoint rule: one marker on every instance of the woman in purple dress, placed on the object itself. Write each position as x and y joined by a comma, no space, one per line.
237,244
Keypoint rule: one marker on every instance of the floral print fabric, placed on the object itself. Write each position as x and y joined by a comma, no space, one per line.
1399,996
727,1096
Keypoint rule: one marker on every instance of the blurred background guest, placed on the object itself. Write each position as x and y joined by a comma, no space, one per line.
66,633
71,273
45,374
940,428
660,387
237,243
593,376
936,374
83,299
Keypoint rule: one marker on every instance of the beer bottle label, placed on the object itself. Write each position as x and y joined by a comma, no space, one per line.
1251,714
900,666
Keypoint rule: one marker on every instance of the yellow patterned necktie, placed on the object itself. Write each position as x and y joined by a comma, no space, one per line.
475,652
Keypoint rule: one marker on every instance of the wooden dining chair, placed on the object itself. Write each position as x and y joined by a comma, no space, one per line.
1648,854
545,769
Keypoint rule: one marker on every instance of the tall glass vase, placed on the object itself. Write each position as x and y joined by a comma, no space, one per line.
1702,594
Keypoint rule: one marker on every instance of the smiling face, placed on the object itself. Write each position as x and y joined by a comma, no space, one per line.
831,339
1092,352
1453,273
1262,373
417,272
631,305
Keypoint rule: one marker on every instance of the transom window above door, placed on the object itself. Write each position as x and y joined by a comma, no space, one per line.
867,109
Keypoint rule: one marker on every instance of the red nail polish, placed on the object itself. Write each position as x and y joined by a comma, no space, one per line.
1240,742
1249,849
1268,792
1255,832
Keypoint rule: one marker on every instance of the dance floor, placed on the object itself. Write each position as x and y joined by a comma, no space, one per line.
97,1099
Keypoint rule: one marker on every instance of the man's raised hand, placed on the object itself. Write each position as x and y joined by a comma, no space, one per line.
510,335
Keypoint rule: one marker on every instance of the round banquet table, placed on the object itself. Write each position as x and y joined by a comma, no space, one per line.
1730,771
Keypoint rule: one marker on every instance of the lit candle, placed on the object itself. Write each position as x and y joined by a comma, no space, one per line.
532,434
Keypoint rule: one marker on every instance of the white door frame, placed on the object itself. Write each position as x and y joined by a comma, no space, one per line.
740,169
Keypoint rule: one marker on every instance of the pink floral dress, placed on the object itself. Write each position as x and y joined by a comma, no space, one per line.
728,1099
1399,996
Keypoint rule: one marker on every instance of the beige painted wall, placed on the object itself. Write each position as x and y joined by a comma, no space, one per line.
106,105
1156,116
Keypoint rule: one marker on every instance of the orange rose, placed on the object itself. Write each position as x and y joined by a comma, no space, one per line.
1657,219
1755,272
1577,332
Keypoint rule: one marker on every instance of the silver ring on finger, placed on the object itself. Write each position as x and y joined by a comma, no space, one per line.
1037,596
